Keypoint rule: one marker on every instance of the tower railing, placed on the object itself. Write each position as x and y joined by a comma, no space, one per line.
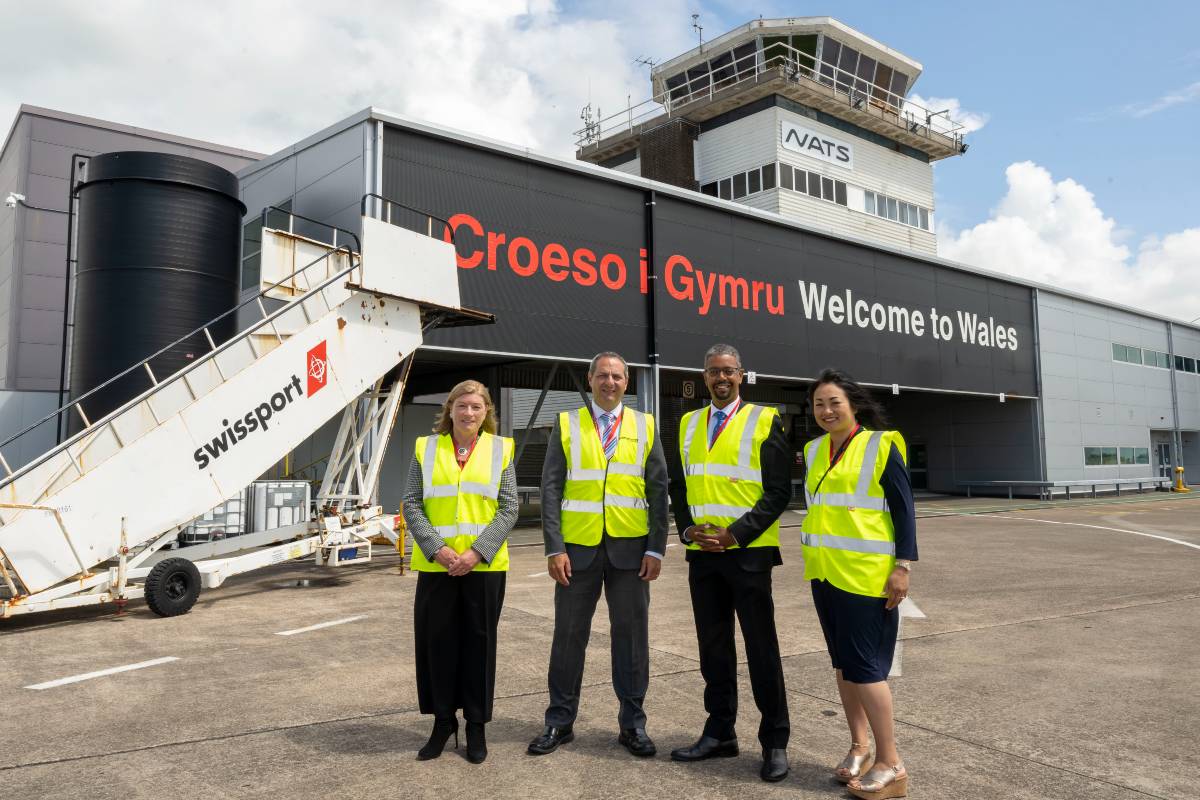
779,61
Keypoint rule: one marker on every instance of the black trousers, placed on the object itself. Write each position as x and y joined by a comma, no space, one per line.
456,622
720,589
628,598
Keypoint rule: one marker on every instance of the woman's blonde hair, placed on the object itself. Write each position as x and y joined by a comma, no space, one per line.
445,423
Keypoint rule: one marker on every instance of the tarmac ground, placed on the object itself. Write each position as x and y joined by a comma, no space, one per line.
1050,651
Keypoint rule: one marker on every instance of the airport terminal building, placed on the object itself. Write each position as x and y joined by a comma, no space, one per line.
777,194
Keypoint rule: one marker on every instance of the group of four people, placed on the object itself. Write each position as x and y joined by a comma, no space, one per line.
604,495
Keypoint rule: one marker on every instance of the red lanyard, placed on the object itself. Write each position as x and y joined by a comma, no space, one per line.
470,450
837,457
728,416
614,432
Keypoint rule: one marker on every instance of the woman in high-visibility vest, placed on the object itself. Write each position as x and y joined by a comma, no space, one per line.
460,504
859,541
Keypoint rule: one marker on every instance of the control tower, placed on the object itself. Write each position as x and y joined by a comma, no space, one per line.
805,117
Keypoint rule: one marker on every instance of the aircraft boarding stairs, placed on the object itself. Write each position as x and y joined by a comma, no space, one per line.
84,523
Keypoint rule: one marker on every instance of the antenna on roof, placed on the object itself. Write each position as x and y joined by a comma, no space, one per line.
699,28
591,124
646,61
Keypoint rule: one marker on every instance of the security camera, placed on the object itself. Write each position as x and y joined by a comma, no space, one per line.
14,198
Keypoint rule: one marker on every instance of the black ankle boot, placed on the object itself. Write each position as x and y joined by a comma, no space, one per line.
442,728
476,743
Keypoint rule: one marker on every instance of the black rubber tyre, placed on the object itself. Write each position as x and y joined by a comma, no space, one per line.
172,587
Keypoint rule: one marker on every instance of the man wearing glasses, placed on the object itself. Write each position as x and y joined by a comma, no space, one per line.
734,484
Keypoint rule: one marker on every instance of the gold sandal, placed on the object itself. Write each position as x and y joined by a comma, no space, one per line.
882,782
852,765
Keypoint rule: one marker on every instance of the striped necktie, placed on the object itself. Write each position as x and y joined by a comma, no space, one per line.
608,436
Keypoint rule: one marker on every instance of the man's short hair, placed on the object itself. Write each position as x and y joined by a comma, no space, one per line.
607,354
723,350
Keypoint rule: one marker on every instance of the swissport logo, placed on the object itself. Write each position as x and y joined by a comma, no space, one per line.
263,415
318,369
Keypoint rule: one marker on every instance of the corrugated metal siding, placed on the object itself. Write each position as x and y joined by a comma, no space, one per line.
757,139
855,223
741,145
876,168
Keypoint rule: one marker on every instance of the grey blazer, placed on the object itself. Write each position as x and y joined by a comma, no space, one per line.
624,552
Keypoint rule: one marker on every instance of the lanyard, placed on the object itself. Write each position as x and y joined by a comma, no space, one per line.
614,431
837,457
470,450
728,416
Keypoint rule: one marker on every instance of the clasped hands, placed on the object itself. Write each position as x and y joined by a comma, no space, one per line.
711,538
457,564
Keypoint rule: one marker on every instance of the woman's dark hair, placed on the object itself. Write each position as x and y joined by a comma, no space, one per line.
867,409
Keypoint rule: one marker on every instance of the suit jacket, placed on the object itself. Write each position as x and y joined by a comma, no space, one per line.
624,552
776,461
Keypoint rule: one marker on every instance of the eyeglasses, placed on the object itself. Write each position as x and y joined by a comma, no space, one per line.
722,372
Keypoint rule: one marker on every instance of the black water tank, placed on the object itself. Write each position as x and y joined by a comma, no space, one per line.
157,258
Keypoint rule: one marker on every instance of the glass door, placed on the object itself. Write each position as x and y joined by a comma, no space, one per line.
1162,458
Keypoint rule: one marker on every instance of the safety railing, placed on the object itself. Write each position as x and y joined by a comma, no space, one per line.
778,60
267,320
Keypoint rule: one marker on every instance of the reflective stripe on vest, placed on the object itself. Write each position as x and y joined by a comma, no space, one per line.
604,495
461,510
861,497
719,492
847,536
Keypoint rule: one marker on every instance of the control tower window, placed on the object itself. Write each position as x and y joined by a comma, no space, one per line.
830,50
783,51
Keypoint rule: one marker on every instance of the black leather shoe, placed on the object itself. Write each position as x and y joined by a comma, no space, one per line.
442,728
706,747
775,764
637,742
476,743
550,739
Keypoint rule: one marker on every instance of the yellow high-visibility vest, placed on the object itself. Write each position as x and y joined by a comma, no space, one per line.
460,503
725,482
847,536
602,495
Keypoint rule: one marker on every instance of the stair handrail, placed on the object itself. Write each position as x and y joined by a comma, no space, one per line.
13,474
389,202
292,216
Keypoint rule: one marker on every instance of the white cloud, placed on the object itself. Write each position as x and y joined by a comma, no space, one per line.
1187,94
971,121
1052,232
261,75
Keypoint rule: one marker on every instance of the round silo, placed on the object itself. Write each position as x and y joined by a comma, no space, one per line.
157,258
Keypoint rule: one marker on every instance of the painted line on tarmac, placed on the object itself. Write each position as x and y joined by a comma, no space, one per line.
541,574
321,625
1099,528
673,544
87,676
908,609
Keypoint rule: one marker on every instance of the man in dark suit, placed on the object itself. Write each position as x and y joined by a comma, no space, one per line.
733,484
604,521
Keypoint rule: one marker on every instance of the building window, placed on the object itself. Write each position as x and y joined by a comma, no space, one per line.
1100,456
726,189
1135,455
709,189
896,210
785,176
754,181
768,176
739,186
252,242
